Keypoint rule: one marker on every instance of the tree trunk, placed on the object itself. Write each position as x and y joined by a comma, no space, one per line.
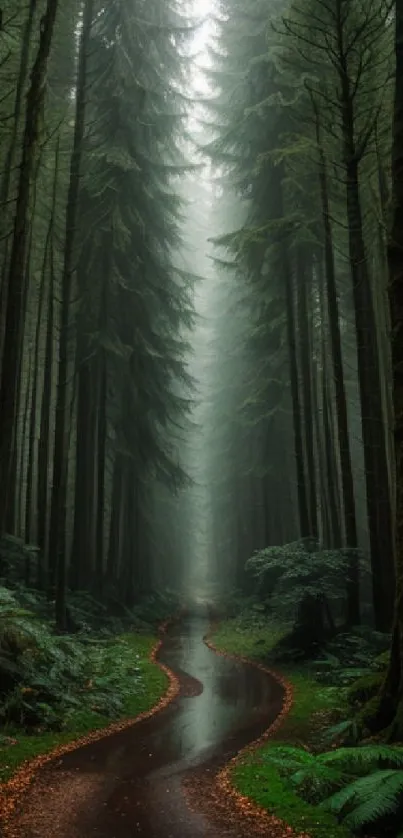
24,434
284,266
62,429
10,155
14,320
347,479
372,418
390,710
101,461
130,537
83,548
44,432
329,445
382,308
305,356
31,533
114,531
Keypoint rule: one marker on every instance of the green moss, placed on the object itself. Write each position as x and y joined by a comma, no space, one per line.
16,747
253,639
365,688
383,659
254,776
369,712
264,785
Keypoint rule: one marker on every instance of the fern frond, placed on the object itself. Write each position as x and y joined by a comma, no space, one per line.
289,758
321,782
364,757
368,798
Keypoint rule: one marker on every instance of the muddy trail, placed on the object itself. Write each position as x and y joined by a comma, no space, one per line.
137,781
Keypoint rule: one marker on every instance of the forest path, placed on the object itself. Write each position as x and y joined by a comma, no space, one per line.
132,782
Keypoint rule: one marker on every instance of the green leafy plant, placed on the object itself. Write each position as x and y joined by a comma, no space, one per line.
286,574
43,675
361,785
301,581
369,799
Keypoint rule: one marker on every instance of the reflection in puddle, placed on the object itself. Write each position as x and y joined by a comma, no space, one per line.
222,707
232,694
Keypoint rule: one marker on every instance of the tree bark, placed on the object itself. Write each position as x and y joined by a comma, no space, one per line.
305,358
10,155
30,502
285,267
14,320
372,417
390,711
57,545
347,479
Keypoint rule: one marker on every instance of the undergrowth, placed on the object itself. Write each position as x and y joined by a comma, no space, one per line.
56,688
119,681
250,634
324,793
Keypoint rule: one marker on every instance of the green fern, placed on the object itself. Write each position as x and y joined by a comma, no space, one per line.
312,779
360,784
347,731
289,757
369,798
365,758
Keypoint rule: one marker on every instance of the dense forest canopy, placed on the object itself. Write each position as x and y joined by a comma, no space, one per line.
198,384
301,121
96,303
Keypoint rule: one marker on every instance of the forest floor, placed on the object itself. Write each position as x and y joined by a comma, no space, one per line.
203,766
126,662
140,778
314,707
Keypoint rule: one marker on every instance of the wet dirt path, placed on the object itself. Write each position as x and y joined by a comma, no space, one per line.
132,783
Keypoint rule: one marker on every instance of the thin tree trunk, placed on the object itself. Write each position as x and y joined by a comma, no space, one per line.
14,522
15,124
30,529
24,429
384,318
292,358
305,350
101,457
83,548
62,431
113,548
330,437
44,436
347,479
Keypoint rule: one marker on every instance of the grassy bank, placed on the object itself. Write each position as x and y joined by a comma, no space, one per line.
313,704
119,681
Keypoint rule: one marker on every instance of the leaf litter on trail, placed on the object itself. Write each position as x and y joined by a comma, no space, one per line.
12,791
210,793
215,794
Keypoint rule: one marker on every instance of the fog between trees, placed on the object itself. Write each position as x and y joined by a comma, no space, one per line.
195,325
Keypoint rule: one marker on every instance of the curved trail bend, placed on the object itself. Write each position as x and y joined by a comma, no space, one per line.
130,784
